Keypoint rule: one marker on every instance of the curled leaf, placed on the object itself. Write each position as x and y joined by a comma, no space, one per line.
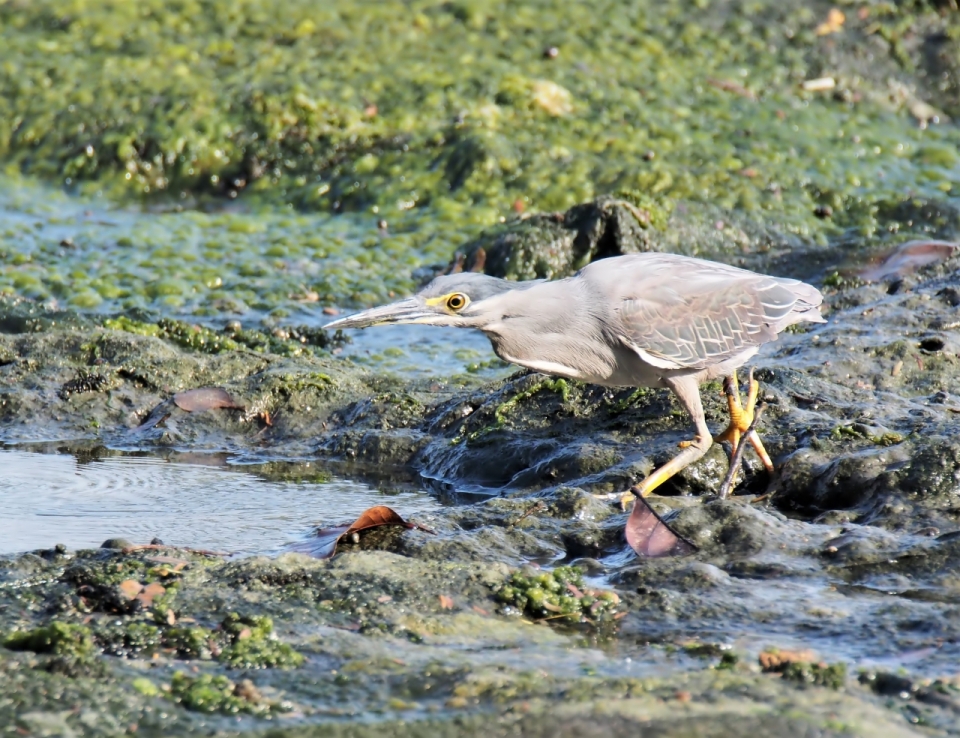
909,257
325,544
651,537
205,398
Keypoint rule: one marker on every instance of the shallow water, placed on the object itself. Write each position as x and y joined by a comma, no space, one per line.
56,498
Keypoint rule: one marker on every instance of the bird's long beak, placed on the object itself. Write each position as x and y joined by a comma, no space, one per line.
410,310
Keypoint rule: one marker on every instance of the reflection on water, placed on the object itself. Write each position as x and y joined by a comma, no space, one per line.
49,499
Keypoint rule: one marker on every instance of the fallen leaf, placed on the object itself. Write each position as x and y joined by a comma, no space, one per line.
324,545
152,590
446,602
162,546
130,588
650,537
833,23
776,660
205,398
908,257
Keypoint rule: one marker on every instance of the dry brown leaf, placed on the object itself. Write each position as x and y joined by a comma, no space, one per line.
908,257
650,537
205,398
324,545
776,660
151,591
130,588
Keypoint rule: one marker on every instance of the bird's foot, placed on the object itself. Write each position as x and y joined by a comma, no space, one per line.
695,441
740,417
743,420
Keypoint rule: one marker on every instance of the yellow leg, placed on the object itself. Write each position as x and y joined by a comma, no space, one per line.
741,417
688,392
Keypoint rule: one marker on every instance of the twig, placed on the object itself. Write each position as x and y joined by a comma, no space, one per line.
161,547
538,505
737,457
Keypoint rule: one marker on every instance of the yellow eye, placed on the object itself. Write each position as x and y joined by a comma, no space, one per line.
456,301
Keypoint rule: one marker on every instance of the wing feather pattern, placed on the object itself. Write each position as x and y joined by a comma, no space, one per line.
682,313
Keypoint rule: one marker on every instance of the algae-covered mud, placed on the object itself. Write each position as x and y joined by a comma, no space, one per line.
192,189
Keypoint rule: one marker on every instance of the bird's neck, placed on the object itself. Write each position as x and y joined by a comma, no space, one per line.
547,328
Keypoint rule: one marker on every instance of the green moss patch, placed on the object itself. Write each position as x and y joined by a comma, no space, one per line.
209,693
253,645
558,594
57,638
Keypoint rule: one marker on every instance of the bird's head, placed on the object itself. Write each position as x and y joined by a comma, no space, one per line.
465,300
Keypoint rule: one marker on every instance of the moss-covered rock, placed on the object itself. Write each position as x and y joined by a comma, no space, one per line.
57,638
559,593
253,644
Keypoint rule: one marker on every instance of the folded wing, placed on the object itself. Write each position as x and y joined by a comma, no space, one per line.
683,313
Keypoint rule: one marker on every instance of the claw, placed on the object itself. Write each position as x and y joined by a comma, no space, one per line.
742,420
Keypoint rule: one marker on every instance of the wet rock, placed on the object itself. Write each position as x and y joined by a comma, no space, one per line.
546,246
116,543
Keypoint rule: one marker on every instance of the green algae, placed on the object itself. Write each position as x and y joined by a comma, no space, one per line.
832,676
190,642
392,107
254,645
557,594
500,412
57,638
214,693
133,639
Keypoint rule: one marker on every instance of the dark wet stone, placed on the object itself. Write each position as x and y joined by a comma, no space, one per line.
116,543
557,244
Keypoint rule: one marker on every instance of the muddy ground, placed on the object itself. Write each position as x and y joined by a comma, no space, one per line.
846,559
233,174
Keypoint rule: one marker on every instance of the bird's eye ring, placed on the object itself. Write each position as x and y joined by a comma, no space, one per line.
456,301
